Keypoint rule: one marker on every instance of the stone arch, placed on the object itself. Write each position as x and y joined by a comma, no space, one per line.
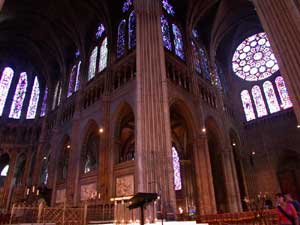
89,157
4,168
124,133
215,140
63,156
183,132
19,170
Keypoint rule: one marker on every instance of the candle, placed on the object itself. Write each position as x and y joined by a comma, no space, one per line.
33,188
37,192
27,191
99,195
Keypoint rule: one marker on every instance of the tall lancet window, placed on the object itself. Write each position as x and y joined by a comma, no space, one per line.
178,42
5,83
44,104
204,63
121,39
77,84
59,95
55,96
176,169
72,81
132,31
271,97
103,55
166,33
247,105
93,62
34,99
17,104
259,101
283,93
196,58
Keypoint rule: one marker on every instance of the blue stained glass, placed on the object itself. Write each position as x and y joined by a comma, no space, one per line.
100,31
77,84
178,43
121,39
72,81
204,63
44,104
127,5
165,33
132,31
34,99
16,108
196,58
77,53
168,7
5,83
195,34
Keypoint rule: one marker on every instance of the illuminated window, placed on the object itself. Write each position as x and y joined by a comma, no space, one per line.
55,96
132,31
4,171
196,58
103,55
44,104
168,7
176,168
247,105
93,62
204,63
271,97
259,101
165,33
77,84
121,39
59,95
283,92
254,58
17,104
178,42
72,81
5,83
100,31
34,100
127,5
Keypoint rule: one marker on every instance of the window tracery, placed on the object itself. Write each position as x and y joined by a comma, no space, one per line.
176,169
259,101
93,62
132,30
121,39
34,100
178,42
271,97
247,105
5,83
103,55
44,104
283,93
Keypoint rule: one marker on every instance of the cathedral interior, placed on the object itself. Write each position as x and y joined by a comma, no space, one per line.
195,100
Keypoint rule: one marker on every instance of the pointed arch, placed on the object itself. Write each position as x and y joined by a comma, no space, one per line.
34,99
103,55
93,62
165,29
178,41
132,30
247,105
5,83
121,39
283,93
271,97
17,104
259,101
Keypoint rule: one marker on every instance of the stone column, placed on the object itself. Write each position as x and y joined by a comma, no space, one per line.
1,3
154,172
280,19
206,203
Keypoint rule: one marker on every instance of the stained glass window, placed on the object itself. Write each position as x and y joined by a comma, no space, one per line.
254,58
132,31
176,168
103,55
178,43
72,81
121,39
77,84
100,31
93,62
204,63
166,33
271,97
59,95
259,101
247,105
44,104
283,93
127,5
4,171
5,83
196,58
17,104
55,96
168,7
195,34
34,99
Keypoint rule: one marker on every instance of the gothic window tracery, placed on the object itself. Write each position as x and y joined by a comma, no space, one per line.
271,97
176,169
259,101
103,55
247,105
178,42
72,80
165,29
34,100
93,63
132,30
20,93
55,96
5,83
283,93
121,39
44,104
